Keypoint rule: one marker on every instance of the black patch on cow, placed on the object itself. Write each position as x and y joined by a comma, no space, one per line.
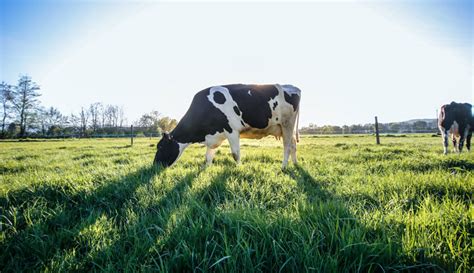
236,110
167,152
219,97
243,124
201,119
294,100
255,108
459,112
276,119
275,104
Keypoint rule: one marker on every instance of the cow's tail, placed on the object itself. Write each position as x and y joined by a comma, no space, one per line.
297,125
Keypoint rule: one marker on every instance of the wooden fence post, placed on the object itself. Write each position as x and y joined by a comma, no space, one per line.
377,131
131,135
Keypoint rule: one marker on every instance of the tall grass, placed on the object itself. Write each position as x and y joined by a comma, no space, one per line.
349,205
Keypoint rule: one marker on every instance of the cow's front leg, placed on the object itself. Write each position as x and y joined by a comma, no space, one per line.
234,142
210,156
444,135
463,130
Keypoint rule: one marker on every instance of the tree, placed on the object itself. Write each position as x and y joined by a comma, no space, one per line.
121,115
74,121
394,127
25,101
420,125
13,129
51,117
114,111
149,119
166,124
84,118
5,98
111,115
95,110
346,129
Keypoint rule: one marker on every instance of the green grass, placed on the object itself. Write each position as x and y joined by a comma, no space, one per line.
80,205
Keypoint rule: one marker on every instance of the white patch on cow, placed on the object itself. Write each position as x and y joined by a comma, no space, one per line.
250,93
215,140
291,89
182,146
212,142
227,108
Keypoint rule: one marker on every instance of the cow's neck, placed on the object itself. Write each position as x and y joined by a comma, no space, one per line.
177,134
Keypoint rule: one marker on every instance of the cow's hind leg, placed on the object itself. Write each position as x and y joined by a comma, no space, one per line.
287,132
293,150
234,142
210,153
463,131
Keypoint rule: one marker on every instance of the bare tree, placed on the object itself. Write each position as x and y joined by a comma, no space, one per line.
25,100
108,115
121,115
84,119
45,119
41,119
53,118
5,98
114,115
94,113
74,121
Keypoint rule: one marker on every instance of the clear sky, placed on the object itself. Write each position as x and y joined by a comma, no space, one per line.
351,59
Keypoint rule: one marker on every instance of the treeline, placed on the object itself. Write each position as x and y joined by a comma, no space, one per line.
414,126
24,116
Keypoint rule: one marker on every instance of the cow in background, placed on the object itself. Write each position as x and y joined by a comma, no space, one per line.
456,119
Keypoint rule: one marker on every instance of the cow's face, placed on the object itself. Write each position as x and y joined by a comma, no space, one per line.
167,151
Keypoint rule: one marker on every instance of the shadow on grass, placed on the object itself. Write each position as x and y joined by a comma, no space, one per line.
350,243
12,169
187,230
41,222
451,164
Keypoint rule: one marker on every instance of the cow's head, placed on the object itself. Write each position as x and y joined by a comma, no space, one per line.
167,151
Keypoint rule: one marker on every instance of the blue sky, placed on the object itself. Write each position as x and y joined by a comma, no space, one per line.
352,59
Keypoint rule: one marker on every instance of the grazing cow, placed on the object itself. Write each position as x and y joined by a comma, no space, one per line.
233,111
456,119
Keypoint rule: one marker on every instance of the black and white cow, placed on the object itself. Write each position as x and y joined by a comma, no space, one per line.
233,111
456,119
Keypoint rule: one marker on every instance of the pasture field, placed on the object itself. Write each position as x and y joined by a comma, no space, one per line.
350,205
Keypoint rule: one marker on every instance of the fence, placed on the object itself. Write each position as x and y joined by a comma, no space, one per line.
104,132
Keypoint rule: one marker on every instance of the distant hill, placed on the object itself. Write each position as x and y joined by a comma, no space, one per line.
409,126
427,120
